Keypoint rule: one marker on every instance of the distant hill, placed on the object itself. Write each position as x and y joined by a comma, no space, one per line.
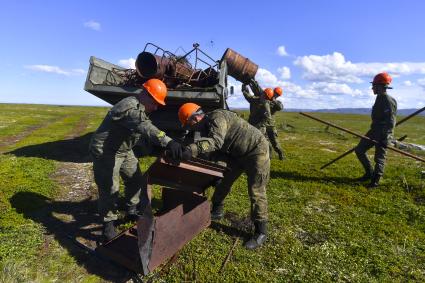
364,111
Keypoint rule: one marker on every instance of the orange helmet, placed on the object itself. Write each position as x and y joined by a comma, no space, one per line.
278,90
186,110
269,93
382,78
157,89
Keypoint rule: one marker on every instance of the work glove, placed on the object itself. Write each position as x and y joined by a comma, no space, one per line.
187,153
244,88
175,149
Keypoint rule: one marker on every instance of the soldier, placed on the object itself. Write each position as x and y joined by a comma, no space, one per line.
275,106
247,150
383,121
259,109
111,149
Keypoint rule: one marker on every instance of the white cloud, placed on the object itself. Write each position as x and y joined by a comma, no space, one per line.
281,51
335,88
93,25
265,77
329,94
285,73
421,82
407,83
334,67
129,63
55,70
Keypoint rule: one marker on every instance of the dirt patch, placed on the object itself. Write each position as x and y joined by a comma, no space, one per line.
311,239
72,216
240,223
10,140
77,186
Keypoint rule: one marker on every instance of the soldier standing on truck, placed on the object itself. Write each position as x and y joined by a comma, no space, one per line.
247,151
260,114
111,148
384,113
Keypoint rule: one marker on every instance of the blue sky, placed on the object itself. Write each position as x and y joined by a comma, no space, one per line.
322,53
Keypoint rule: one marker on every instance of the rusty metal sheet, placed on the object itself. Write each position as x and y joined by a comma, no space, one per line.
185,213
123,250
175,228
187,176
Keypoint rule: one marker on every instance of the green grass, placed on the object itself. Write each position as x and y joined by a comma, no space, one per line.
324,226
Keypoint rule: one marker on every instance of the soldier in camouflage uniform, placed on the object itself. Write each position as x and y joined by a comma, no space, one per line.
247,151
260,113
275,106
111,149
384,113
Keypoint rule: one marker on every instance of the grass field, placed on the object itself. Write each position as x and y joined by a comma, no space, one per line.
324,226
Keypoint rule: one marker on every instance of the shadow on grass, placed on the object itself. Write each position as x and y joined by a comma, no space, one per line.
74,150
295,176
239,227
71,150
66,221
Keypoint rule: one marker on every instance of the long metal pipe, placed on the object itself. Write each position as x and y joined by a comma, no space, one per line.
363,137
353,149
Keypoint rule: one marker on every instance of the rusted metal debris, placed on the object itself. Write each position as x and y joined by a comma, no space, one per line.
185,212
192,69
229,255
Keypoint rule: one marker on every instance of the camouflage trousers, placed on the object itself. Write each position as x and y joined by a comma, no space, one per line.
107,171
380,153
257,168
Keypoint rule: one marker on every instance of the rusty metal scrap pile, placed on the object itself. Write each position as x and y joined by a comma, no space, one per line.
194,69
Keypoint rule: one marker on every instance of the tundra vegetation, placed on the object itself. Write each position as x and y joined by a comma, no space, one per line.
324,226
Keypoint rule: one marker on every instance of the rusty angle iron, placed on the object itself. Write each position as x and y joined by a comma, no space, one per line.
185,213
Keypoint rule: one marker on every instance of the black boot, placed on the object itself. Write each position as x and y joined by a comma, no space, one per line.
281,155
217,212
366,177
374,182
132,214
260,236
109,231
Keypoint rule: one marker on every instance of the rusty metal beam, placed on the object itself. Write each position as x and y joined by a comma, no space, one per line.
363,137
185,213
351,150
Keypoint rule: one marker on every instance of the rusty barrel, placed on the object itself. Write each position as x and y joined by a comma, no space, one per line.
150,65
239,67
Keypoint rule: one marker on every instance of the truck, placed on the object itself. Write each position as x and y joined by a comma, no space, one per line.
111,83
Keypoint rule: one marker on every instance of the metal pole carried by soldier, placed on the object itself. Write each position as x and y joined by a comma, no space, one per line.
260,114
246,149
111,148
383,115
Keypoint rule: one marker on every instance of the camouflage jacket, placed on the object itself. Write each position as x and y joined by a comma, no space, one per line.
124,125
226,132
259,110
384,113
275,106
